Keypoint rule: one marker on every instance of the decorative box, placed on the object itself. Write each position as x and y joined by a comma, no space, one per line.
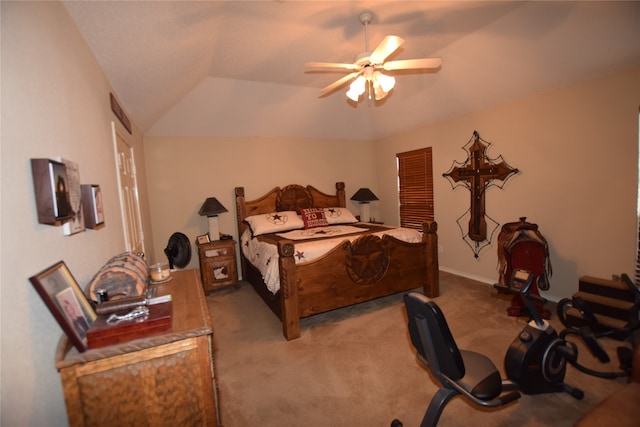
101,333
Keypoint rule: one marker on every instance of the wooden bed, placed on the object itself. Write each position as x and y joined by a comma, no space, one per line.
333,280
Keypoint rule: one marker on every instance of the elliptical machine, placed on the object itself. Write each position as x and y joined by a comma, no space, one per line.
589,329
537,358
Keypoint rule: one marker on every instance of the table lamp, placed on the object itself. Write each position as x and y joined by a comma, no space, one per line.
363,196
211,208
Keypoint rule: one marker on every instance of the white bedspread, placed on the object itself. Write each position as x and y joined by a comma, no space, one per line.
264,256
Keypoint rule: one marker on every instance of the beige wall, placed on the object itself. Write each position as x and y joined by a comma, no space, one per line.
577,152
184,171
55,102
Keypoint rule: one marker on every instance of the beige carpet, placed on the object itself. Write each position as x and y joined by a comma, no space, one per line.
355,366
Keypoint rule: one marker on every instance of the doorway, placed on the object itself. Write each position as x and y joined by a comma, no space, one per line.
128,193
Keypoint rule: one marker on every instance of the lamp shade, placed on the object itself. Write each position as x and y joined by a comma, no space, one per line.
364,195
386,82
357,88
212,207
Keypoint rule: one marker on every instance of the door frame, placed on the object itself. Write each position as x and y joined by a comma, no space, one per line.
137,216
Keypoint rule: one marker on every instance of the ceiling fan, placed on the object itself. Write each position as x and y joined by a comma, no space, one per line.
368,66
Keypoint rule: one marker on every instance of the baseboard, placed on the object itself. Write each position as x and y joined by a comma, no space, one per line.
478,278
468,276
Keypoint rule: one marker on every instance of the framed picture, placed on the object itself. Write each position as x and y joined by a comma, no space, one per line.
203,239
61,293
76,224
92,205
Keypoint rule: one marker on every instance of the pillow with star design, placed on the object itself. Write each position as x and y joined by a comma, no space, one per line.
274,222
336,216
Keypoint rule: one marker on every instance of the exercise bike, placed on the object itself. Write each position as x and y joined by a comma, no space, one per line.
537,358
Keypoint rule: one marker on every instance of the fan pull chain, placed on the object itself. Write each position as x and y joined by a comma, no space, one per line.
366,36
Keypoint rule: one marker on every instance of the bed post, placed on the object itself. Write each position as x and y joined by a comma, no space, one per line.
340,193
430,236
290,312
240,215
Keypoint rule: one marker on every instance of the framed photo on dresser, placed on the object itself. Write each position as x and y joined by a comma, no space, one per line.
65,300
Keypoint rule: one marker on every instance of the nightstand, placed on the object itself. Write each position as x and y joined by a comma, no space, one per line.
218,264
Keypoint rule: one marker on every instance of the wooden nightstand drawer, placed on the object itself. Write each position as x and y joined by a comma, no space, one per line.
227,251
218,267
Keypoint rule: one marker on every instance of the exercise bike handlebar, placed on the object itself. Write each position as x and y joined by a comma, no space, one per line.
527,298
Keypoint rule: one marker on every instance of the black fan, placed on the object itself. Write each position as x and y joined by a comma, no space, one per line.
178,250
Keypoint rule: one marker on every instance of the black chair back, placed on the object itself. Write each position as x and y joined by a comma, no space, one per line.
435,344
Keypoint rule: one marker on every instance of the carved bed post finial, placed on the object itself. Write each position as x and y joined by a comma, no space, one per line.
340,192
432,288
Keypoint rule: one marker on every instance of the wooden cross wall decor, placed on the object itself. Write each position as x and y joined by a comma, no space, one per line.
478,173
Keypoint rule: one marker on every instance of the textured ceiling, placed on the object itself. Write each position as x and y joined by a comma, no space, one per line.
164,58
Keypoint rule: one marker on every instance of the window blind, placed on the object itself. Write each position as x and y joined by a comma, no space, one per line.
415,187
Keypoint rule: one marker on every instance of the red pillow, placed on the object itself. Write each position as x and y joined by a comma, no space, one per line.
313,217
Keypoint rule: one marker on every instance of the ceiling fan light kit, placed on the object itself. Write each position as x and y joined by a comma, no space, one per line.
366,70
381,84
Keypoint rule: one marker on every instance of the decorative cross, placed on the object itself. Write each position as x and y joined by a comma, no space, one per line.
477,174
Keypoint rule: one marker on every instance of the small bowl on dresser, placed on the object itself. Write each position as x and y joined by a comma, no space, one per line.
159,272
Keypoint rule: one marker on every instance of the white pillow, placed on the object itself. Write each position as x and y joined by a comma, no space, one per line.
339,216
274,222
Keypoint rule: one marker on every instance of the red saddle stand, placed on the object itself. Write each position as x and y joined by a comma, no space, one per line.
521,246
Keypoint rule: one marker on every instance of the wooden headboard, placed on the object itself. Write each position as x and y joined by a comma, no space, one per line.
289,198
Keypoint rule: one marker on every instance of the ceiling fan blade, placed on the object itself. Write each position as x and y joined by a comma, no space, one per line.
335,85
333,65
386,47
409,64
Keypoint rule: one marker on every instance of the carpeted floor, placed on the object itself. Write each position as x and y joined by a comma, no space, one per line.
355,367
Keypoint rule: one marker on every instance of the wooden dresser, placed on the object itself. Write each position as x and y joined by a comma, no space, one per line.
162,380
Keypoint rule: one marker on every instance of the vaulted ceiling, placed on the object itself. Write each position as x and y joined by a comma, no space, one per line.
236,68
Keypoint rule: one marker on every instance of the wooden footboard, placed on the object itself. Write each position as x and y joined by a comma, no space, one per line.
367,268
